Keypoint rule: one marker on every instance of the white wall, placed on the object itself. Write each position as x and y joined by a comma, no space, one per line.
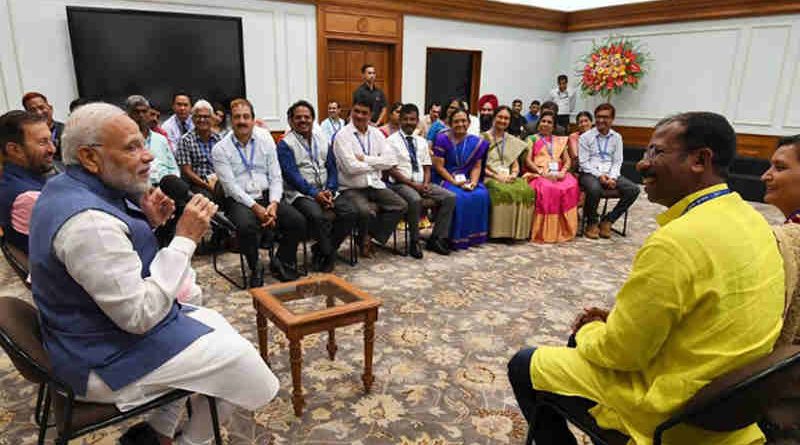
746,69
279,49
516,62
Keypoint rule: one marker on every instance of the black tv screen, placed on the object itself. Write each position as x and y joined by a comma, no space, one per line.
122,52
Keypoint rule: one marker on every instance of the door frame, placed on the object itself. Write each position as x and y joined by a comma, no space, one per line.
475,87
338,23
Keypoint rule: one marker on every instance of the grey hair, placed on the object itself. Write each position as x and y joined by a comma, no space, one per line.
202,104
84,127
136,100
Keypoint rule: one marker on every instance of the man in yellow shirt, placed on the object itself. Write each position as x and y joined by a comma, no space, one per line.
705,296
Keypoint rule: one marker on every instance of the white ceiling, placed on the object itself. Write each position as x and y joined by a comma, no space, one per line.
571,5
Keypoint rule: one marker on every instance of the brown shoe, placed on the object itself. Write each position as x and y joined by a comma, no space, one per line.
366,250
592,232
605,229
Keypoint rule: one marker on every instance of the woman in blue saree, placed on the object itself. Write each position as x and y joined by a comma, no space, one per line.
458,163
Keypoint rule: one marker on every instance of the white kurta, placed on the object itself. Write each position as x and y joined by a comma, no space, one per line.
221,363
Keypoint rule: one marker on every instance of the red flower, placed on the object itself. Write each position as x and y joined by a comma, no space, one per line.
635,68
619,82
631,80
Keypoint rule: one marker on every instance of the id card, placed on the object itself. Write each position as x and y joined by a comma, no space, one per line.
503,170
554,167
460,178
252,186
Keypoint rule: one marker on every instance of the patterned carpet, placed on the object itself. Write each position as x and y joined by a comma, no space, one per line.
446,330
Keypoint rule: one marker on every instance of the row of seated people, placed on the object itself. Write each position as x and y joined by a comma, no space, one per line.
476,182
705,296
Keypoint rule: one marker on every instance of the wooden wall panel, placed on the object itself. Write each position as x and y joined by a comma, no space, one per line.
672,11
749,145
361,24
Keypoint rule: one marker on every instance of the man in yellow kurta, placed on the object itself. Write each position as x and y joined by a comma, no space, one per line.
705,296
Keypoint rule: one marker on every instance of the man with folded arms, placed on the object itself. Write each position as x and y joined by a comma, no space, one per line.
411,179
109,299
361,155
705,296
309,173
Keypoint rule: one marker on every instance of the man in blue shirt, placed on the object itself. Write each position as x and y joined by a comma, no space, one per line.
311,185
247,165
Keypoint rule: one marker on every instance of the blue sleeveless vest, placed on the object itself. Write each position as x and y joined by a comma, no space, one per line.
77,335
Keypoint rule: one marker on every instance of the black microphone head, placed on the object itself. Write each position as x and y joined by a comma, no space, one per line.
175,188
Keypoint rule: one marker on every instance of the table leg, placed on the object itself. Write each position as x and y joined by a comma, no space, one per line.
296,359
369,346
263,334
331,335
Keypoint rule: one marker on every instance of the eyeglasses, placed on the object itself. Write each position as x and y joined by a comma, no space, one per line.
202,117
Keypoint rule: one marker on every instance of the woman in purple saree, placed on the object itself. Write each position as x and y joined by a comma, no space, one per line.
458,163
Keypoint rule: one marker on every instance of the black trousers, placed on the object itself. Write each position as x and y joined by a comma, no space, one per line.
291,226
594,192
328,227
549,427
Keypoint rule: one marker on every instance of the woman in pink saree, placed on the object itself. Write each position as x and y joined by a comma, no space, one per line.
557,192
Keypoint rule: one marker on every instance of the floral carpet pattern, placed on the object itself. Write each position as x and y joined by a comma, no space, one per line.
447,327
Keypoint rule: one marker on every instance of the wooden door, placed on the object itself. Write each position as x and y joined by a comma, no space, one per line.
345,60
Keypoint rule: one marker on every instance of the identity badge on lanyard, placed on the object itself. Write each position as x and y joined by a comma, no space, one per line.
336,125
252,186
501,149
366,149
205,147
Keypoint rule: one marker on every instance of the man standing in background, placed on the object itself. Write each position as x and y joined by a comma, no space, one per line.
181,121
372,94
565,99
36,103
333,123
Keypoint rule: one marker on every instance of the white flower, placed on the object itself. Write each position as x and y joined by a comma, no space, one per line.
380,409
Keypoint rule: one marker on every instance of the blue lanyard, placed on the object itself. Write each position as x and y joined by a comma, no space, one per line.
369,144
548,145
705,198
459,160
603,151
313,150
205,147
54,134
335,127
247,165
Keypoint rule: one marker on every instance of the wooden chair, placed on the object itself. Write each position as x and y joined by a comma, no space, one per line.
20,338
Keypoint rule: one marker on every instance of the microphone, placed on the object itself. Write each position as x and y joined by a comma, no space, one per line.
178,191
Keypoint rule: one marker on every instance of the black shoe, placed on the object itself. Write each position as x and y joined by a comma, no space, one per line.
140,434
257,277
328,263
283,272
438,245
414,250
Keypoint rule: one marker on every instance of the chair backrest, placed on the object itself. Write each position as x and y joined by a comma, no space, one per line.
21,339
17,259
742,396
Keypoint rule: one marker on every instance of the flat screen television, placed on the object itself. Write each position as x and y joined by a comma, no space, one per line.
122,52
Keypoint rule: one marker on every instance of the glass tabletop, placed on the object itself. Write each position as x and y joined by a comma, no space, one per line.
304,298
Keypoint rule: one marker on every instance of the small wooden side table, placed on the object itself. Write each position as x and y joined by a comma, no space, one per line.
315,304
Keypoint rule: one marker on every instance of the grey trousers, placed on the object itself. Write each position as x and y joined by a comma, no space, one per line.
445,200
380,224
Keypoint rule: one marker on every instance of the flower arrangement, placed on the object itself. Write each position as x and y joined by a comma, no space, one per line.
611,66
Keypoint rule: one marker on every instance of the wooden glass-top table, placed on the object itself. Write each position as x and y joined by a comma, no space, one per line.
315,304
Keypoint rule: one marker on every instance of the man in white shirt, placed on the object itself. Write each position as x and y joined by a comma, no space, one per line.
600,156
333,123
361,155
411,179
247,166
110,301
565,99
181,120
